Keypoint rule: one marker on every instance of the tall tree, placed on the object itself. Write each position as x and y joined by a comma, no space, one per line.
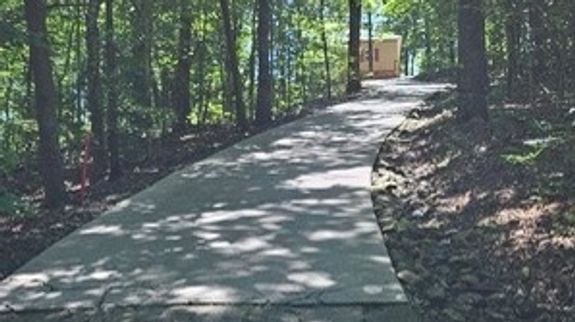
50,161
265,88
182,97
473,81
538,39
142,51
354,77
237,88
370,40
94,89
513,39
112,93
325,49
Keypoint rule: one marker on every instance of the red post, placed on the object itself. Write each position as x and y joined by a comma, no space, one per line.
84,167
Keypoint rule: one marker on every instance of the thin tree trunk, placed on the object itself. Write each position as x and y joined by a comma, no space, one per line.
252,62
325,50
237,91
473,80
112,79
182,97
571,75
265,89
7,115
513,28
354,77
51,167
536,24
142,52
428,50
370,40
406,62
79,62
94,90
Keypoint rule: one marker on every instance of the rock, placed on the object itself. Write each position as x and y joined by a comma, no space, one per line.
470,298
382,200
420,212
388,227
402,225
436,292
496,316
408,277
470,279
497,297
526,272
458,259
453,315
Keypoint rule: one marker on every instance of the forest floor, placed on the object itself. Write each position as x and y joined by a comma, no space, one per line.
480,219
27,231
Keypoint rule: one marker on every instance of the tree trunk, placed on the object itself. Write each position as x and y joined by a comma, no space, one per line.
325,50
473,79
94,85
265,90
406,62
354,77
513,34
112,80
429,62
252,62
571,31
79,65
182,98
537,29
237,90
51,167
370,40
142,52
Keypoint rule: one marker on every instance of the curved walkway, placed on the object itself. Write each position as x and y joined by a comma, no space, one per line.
279,227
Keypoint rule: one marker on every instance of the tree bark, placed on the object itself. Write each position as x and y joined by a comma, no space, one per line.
537,29
112,94
142,52
252,62
370,40
354,77
473,79
94,85
51,167
182,96
265,90
406,62
325,48
237,90
513,34
571,75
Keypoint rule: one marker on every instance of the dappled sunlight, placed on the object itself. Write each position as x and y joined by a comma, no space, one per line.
285,215
312,279
454,204
329,179
112,230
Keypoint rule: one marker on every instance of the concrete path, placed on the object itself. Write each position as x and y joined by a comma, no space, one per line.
279,227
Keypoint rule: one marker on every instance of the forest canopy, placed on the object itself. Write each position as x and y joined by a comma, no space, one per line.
131,73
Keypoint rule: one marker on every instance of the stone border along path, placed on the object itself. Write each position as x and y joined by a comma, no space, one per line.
279,227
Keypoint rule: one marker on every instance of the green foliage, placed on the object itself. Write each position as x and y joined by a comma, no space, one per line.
523,156
428,28
12,206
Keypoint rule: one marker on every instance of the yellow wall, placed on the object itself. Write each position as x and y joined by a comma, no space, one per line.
388,64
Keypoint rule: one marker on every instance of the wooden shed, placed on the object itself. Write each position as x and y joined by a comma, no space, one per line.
386,57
